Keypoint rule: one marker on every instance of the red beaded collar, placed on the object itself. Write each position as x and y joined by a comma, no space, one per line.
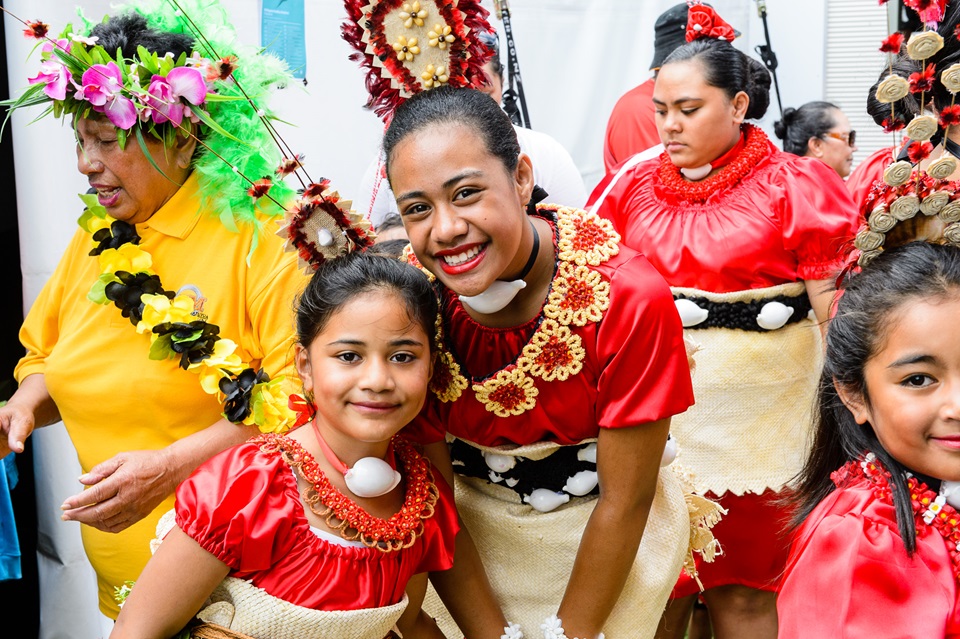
755,148
929,510
344,515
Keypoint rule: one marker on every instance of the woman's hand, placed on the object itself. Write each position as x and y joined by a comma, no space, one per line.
29,408
123,490
130,485
628,464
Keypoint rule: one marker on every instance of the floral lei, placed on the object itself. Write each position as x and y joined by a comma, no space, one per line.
249,396
755,149
578,295
350,520
929,509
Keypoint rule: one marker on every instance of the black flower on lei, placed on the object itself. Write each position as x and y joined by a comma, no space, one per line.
126,293
193,341
237,391
117,235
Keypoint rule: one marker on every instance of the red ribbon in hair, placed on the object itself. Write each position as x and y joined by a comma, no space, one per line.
703,22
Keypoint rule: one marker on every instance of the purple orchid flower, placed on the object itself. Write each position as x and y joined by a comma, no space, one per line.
55,75
165,93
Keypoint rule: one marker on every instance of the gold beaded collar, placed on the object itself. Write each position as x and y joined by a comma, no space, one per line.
578,296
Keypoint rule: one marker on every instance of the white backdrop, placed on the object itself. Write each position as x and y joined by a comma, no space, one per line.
576,56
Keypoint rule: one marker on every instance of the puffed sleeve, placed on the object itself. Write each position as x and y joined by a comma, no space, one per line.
817,216
644,371
870,170
853,579
240,507
440,531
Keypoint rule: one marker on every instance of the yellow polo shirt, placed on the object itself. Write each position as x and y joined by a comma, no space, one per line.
111,396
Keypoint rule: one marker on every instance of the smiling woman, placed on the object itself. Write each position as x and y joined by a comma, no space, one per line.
749,238
561,364
113,372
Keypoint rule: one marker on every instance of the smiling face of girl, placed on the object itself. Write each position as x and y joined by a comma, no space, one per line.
463,210
912,398
368,369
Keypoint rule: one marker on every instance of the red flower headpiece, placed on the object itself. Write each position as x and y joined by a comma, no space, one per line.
703,22
407,46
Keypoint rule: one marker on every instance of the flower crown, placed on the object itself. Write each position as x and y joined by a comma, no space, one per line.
907,190
200,95
408,46
80,77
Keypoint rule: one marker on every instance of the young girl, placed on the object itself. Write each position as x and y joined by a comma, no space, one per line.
278,526
877,550
562,363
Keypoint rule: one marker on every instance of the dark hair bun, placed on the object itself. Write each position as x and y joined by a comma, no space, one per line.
758,88
780,126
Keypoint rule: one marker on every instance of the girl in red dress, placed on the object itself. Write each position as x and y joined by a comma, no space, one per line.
334,525
562,362
878,551
749,239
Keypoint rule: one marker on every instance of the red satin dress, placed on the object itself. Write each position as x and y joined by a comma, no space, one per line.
788,219
243,507
635,370
869,172
849,575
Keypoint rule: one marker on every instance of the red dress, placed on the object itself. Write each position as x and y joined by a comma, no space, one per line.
787,219
849,575
635,370
869,172
243,507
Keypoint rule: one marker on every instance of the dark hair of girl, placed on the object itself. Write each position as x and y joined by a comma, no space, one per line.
909,273
812,120
130,30
451,105
340,280
727,68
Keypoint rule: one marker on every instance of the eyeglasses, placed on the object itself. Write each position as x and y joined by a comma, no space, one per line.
850,139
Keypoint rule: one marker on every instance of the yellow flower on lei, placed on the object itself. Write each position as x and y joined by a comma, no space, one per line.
222,361
159,309
93,224
269,409
129,257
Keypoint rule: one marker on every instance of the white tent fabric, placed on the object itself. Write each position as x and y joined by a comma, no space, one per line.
577,57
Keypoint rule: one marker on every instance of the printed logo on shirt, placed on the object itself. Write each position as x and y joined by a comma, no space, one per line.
199,301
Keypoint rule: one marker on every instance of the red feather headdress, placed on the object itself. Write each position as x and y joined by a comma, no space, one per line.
407,46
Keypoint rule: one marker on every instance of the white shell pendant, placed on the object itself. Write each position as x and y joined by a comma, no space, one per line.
588,453
545,500
951,490
499,463
495,298
371,477
325,237
773,315
669,452
581,483
690,313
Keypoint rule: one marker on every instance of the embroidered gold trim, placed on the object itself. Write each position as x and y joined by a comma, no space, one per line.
578,296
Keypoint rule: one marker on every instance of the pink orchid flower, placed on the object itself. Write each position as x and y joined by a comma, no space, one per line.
55,75
99,83
62,43
101,86
165,93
